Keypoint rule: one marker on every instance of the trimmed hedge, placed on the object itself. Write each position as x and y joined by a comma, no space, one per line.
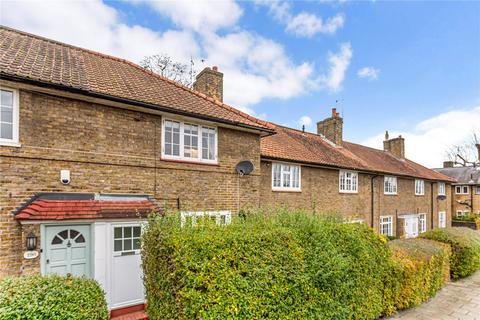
51,297
288,266
465,243
421,267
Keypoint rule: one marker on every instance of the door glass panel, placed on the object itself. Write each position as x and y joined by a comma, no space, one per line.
127,232
80,239
57,240
136,232
136,244
118,233
63,234
73,234
127,244
117,245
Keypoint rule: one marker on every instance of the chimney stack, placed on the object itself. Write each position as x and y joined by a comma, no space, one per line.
210,82
395,146
332,128
478,151
448,164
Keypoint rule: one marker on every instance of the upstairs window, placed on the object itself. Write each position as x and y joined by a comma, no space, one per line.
348,181
189,142
419,187
9,109
390,185
441,188
461,189
386,225
286,177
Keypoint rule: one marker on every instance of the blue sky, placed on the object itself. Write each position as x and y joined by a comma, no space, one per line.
410,67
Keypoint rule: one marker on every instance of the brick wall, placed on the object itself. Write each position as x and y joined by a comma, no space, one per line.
109,150
320,194
463,201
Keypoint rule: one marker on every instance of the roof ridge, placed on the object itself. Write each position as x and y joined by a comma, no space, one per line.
142,69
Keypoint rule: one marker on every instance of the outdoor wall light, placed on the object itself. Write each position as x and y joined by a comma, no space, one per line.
31,241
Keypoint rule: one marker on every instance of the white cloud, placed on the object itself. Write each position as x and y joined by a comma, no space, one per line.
305,121
339,63
430,139
369,73
304,24
255,67
199,15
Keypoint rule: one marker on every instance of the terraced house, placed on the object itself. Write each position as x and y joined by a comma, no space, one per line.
90,144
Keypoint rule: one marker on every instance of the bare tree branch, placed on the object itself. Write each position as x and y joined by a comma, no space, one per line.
465,153
164,65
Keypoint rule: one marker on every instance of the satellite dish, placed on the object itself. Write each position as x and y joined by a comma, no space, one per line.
244,167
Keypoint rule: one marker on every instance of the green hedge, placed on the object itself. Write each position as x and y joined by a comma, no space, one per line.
51,297
465,243
421,267
289,266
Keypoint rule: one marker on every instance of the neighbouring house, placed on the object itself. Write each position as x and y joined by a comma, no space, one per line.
323,173
466,189
91,144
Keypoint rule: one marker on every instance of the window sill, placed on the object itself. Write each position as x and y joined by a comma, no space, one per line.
390,194
287,190
419,195
190,161
10,144
348,192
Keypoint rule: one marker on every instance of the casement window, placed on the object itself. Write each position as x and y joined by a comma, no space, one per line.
419,187
286,177
442,219
461,190
386,225
189,142
390,185
195,218
126,239
9,110
477,190
422,222
348,181
461,213
441,188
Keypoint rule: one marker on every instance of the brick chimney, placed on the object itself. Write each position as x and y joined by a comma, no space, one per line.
448,164
478,151
210,82
395,146
332,128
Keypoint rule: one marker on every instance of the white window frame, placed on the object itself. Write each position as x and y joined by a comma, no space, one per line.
462,213
477,190
442,219
14,142
390,185
181,157
353,176
125,252
441,188
460,189
419,187
422,222
282,172
196,215
386,221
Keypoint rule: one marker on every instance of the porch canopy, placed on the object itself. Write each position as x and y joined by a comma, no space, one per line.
73,206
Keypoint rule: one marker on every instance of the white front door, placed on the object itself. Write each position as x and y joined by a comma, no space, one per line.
126,275
411,226
67,250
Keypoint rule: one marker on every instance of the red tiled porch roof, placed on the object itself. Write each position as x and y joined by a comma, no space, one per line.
41,209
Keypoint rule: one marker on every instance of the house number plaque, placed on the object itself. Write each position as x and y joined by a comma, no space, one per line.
30,254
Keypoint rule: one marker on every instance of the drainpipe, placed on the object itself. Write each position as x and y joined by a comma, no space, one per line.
431,205
372,199
471,198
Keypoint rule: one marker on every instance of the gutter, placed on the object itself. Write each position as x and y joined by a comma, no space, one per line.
148,106
372,200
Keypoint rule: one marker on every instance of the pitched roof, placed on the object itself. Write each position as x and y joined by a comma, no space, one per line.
82,206
463,175
30,57
304,147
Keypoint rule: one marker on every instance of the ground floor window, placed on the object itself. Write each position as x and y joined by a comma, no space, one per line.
386,225
197,217
461,213
442,219
422,222
126,239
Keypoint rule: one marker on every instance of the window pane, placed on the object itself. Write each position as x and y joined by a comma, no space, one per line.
136,231
6,98
6,131
6,115
117,245
127,232
136,244
117,233
127,244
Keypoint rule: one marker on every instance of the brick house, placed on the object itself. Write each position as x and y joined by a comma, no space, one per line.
90,144
466,189
325,174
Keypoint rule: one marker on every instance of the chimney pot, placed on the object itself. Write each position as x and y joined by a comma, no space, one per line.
332,128
215,68
386,135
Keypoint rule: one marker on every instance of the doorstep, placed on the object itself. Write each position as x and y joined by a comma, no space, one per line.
129,313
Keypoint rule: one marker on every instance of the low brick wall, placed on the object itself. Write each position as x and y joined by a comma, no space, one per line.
466,224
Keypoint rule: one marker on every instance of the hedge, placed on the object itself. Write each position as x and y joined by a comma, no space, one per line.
51,297
289,266
421,267
465,243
